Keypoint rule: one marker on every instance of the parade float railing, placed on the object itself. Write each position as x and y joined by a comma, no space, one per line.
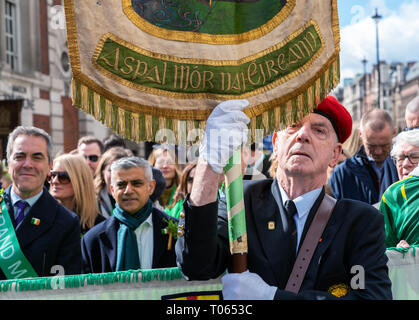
159,284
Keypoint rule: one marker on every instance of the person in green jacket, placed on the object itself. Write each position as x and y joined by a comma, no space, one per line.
182,190
400,202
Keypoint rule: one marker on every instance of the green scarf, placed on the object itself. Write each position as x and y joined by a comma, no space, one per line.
127,249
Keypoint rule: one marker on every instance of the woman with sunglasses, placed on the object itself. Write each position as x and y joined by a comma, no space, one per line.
182,190
71,183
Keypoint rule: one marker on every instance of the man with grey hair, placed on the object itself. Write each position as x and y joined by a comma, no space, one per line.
370,171
135,236
41,233
412,114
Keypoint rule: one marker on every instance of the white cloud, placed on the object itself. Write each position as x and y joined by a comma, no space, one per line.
398,37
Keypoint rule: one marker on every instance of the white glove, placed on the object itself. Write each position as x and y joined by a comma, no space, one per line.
226,130
246,286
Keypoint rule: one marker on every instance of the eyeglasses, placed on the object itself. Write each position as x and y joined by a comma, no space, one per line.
92,158
63,177
413,158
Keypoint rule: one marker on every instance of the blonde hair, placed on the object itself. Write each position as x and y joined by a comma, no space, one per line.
81,177
159,152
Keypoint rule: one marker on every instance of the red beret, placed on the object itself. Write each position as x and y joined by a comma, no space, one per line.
338,115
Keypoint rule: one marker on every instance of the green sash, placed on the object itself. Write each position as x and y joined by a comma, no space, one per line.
12,261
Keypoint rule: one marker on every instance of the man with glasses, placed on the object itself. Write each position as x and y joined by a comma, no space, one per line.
366,175
91,149
37,232
412,114
400,202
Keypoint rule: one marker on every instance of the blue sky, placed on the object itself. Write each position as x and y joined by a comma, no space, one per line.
398,32
351,11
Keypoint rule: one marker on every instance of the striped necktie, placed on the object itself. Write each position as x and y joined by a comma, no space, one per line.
21,205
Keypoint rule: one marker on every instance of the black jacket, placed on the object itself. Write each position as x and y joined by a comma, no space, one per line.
55,241
99,247
354,236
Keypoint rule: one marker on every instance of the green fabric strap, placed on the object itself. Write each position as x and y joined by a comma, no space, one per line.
12,261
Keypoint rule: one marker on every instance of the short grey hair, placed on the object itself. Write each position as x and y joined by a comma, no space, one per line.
410,137
376,119
413,105
29,131
126,163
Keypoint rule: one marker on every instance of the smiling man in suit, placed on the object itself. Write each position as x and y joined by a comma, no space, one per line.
37,233
132,238
282,213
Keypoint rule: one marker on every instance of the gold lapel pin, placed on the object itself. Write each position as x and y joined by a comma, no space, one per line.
271,225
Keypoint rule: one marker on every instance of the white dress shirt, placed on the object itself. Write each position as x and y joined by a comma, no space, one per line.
145,243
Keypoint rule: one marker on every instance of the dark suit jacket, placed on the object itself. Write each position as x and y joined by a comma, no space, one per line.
354,236
55,241
356,179
99,248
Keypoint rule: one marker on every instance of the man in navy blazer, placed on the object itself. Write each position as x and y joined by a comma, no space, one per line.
349,260
134,223
48,233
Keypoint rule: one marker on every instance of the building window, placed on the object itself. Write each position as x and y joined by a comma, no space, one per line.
12,57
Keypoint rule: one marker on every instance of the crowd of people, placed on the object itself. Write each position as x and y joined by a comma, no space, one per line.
100,208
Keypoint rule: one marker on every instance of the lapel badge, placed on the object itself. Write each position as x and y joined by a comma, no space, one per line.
271,225
35,221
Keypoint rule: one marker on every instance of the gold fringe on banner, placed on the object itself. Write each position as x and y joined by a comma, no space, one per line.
137,126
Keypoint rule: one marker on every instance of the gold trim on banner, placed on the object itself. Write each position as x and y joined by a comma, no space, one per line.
193,114
190,36
72,41
109,103
293,102
172,94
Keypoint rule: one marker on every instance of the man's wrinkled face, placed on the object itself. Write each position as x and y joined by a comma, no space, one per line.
406,159
307,148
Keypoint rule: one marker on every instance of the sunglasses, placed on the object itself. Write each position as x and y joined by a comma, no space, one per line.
92,158
63,177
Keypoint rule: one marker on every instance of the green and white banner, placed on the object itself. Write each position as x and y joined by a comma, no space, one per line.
143,65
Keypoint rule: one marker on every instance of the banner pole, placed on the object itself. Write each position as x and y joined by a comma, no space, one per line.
236,213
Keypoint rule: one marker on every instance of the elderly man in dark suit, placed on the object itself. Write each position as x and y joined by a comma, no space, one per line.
135,236
348,258
37,233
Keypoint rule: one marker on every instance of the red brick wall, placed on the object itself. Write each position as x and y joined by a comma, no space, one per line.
43,122
71,125
43,94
